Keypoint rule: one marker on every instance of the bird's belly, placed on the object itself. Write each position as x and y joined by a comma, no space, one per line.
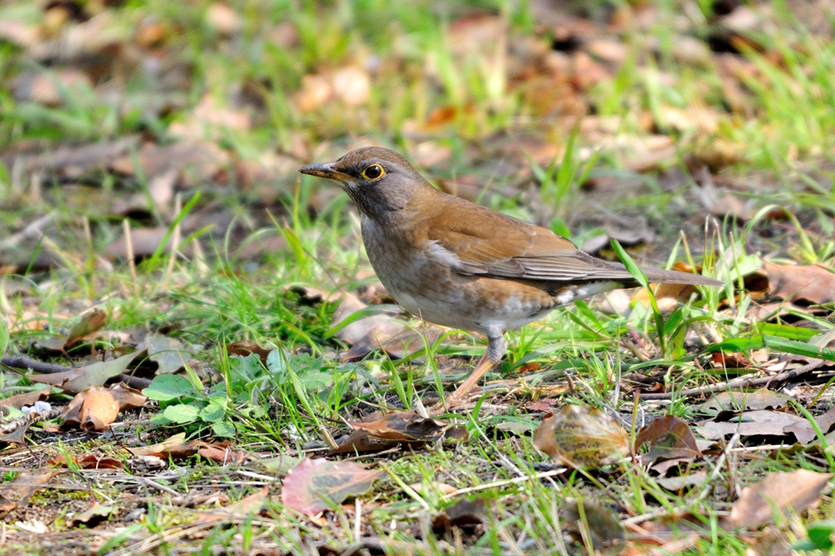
435,293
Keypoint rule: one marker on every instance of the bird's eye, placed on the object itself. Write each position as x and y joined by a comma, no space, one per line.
373,172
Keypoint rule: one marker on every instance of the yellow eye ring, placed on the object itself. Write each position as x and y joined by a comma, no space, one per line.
373,172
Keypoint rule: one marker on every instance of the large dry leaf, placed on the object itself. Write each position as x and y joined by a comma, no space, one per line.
316,485
759,423
96,407
813,283
583,437
778,493
403,426
94,374
736,401
160,449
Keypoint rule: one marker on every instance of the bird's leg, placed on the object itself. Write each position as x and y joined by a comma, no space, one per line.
496,347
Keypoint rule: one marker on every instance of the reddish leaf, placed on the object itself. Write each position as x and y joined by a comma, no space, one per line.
668,437
316,485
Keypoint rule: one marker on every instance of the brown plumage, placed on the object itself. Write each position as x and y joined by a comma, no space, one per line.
462,265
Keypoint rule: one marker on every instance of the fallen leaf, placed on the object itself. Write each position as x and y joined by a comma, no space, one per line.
778,493
403,426
27,398
316,485
98,410
759,423
18,490
245,347
94,374
160,447
92,516
90,323
668,437
361,442
740,401
583,437
811,283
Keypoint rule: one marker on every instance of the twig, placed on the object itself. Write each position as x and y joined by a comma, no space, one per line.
737,384
34,417
22,362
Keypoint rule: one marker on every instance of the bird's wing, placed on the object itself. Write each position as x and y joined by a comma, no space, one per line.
482,242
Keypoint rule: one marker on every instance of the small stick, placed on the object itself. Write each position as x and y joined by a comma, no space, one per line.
737,384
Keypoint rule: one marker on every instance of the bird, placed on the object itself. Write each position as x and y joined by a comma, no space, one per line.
461,265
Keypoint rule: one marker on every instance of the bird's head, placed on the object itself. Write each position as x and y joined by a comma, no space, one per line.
379,180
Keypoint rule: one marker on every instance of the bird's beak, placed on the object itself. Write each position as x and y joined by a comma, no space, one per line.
325,170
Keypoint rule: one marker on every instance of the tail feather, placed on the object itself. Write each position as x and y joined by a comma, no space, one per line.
676,277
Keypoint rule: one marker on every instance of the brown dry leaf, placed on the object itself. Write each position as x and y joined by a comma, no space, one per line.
19,33
731,205
90,461
316,485
582,437
678,483
739,401
246,347
668,437
759,423
812,283
18,490
778,492
221,453
361,442
721,360
27,398
98,409
160,448
403,426
94,374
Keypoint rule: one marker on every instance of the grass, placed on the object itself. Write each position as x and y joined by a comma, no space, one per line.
302,398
